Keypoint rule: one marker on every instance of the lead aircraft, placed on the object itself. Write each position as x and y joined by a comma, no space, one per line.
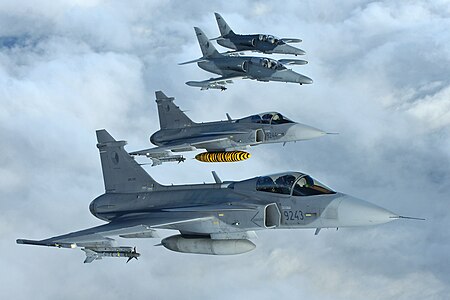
264,43
218,218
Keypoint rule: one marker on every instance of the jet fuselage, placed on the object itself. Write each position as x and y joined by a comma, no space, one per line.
234,207
240,133
213,219
257,68
258,42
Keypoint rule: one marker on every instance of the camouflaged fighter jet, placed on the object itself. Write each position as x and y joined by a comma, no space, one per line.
264,43
220,139
248,67
218,218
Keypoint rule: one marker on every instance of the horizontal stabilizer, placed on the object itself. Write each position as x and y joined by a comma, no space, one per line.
193,61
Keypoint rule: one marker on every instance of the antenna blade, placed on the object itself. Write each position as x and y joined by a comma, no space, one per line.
216,177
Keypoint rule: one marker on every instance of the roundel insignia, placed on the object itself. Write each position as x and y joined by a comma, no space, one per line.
115,158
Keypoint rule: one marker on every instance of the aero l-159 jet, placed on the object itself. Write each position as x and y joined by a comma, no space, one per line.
235,66
221,139
264,43
218,218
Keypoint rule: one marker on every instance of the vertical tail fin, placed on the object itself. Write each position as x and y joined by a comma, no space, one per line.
223,26
207,47
121,173
170,115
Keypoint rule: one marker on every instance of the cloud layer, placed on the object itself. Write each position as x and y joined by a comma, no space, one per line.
381,79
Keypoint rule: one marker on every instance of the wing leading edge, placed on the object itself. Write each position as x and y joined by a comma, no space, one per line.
97,242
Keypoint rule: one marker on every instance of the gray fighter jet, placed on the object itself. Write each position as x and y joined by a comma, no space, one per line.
264,43
221,139
218,218
234,66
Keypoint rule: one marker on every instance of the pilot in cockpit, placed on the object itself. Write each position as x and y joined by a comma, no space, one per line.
265,62
276,118
306,186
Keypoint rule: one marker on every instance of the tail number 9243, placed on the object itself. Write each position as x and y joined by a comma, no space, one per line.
293,215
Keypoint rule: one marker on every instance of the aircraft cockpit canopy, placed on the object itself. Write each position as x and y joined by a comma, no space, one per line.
271,64
269,38
292,183
272,118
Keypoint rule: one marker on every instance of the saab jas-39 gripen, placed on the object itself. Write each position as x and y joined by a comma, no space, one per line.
264,43
248,67
223,140
218,218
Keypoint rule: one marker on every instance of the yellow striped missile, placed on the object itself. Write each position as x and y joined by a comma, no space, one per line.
231,156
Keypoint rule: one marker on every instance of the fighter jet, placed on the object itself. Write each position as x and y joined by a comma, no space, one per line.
221,139
264,43
217,219
234,66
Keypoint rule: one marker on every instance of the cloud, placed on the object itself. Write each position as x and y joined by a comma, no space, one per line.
380,73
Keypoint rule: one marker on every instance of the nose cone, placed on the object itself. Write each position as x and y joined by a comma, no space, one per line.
287,49
302,79
291,76
356,212
304,132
